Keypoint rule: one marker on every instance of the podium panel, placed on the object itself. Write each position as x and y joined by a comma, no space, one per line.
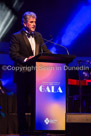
50,105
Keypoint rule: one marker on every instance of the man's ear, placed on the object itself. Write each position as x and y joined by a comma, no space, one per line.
24,24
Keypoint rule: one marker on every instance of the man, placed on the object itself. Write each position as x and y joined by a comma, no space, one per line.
24,45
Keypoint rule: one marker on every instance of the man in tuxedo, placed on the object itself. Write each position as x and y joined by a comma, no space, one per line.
24,45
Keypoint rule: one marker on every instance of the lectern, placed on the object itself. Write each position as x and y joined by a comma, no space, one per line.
50,91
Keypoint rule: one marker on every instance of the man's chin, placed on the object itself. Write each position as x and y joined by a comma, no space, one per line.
33,30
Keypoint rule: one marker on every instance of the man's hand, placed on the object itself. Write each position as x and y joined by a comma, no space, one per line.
30,57
26,59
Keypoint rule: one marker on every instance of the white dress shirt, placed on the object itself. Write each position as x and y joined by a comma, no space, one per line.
32,43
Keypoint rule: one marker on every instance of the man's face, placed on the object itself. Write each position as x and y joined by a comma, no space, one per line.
30,24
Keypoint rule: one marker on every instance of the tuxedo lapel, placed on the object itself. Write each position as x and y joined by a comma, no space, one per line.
27,42
37,45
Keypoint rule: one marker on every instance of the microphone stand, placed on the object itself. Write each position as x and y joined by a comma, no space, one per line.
80,87
47,41
57,44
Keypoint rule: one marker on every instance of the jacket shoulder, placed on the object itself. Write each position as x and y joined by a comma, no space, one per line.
38,34
17,33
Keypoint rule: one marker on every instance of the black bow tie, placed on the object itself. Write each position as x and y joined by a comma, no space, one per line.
30,34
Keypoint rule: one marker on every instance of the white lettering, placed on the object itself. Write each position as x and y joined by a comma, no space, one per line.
50,89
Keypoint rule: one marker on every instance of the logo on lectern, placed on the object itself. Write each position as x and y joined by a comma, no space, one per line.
46,121
51,121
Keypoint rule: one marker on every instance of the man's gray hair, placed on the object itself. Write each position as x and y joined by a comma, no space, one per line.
27,15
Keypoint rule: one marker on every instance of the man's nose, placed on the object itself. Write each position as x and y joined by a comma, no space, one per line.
34,23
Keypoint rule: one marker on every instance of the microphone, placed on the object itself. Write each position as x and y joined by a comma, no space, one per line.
50,41
47,41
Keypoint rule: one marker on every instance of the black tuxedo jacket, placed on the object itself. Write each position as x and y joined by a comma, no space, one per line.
20,48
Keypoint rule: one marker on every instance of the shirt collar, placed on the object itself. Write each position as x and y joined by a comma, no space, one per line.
32,33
